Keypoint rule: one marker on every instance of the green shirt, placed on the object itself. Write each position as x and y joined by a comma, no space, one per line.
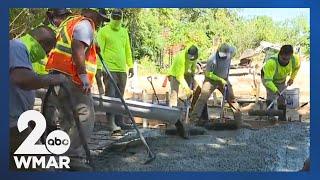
115,48
274,73
182,65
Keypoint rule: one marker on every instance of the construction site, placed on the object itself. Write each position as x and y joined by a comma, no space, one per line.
257,144
255,136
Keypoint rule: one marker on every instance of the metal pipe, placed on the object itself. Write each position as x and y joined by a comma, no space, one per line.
138,109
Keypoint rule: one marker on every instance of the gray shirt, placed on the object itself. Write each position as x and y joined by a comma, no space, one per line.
220,66
19,100
83,32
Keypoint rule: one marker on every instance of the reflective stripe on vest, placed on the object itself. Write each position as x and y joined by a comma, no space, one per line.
60,58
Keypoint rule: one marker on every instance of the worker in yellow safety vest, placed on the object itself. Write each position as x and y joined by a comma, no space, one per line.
75,57
55,17
275,72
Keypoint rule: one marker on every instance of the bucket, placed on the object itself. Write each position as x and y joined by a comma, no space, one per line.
292,98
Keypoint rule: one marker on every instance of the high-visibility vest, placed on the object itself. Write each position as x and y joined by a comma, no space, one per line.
60,58
280,77
40,67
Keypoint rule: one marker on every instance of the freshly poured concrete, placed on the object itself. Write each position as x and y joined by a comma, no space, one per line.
278,148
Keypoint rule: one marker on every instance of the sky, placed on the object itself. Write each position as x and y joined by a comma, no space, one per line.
277,14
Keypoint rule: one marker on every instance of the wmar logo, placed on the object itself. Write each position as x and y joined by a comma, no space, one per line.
57,143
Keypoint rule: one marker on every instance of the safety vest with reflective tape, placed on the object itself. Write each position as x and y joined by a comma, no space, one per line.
60,58
280,74
40,67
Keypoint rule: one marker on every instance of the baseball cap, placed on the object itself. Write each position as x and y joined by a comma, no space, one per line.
58,11
223,50
116,14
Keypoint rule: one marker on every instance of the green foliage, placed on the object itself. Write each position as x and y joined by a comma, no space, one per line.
22,20
154,31
147,67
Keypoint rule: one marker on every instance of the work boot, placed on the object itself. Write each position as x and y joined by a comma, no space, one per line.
123,124
112,126
273,120
182,129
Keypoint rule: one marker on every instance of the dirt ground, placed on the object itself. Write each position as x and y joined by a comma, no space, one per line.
266,147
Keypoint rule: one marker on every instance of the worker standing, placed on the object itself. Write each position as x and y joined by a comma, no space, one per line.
274,75
23,80
55,16
115,49
181,73
216,77
75,57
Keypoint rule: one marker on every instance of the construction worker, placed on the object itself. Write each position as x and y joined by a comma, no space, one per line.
23,80
115,49
216,77
55,16
74,56
274,75
181,73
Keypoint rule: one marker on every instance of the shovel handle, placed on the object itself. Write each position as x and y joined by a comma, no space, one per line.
269,107
149,78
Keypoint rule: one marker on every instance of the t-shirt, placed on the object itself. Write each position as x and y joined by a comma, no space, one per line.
220,66
83,32
19,100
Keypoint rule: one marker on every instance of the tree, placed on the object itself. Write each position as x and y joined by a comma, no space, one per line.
155,30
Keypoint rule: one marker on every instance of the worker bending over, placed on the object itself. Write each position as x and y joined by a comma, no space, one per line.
274,75
216,77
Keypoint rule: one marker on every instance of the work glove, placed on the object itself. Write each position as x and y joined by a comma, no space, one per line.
187,94
85,83
279,95
290,82
131,73
57,79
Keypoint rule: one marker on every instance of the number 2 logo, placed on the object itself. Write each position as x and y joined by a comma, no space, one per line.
29,146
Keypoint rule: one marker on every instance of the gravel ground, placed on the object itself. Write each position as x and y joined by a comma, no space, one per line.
279,148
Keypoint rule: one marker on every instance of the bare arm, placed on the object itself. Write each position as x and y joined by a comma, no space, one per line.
78,55
26,79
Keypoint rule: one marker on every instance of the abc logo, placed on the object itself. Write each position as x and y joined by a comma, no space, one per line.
58,142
